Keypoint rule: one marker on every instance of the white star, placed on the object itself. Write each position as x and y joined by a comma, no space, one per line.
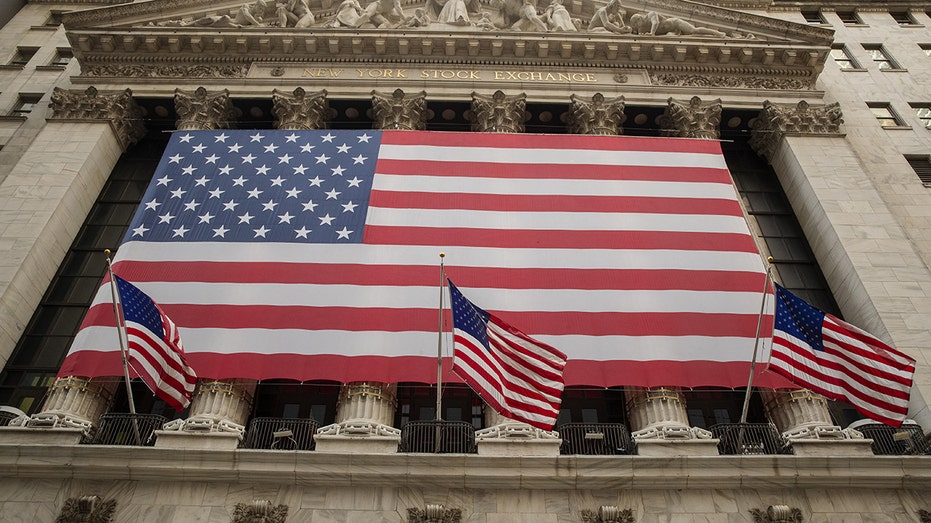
199,148
285,159
140,231
177,193
344,233
292,193
175,159
269,205
262,170
364,138
300,169
310,206
350,207
327,220
179,232
221,232
201,182
248,158
239,181
256,137
186,138
306,148
338,170
354,182
332,194
261,231
164,180
328,138
359,159
212,158
254,193
206,217
291,138
245,218
285,218
315,181
302,232
221,138
322,158
191,205
270,148
152,204
165,218
188,170
225,169
230,205
343,148
216,193
277,181
235,148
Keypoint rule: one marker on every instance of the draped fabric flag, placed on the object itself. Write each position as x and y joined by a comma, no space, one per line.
823,353
311,254
520,377
154,345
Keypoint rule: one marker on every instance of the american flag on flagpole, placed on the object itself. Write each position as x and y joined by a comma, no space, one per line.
154,345
310,254
518,376
823,353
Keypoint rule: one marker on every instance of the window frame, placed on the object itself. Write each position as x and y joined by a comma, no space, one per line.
814,17
880,55
25,104
904,18
22,56
854,65
849,17
922,107
892,116
921,164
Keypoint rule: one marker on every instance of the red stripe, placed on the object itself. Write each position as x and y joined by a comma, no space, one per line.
425,320
557,203
424,275
422,369
546,171
492,401
549,365
550,141
551,239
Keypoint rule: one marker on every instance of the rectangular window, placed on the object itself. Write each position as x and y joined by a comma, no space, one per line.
23,55
842,57
849,17
814,17
54,19
923,111
926,48
63,56
903,18
880,56
922,167
884,114
25,104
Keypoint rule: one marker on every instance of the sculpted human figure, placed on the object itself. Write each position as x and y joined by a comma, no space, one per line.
418,19
248,14
295,13
347,15
382,13
652,23
557,17
454,12
529,20
609,18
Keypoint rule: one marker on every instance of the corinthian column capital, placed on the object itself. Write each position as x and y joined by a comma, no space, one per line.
692,119
601,116
400,111
776,121
498,113
202,110
300,110
118,107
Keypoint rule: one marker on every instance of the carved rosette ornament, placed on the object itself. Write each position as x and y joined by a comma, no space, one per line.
300,110
775,121
259,511
434,513
205,111
608,514
87,509
118,108
400,111
600,116
777,514
695,119
498,113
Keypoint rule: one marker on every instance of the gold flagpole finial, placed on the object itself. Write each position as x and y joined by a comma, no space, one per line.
769,259
442,255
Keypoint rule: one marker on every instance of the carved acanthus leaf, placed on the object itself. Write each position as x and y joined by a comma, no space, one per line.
600,116
119,108
400,111
777,514
87,509
775,121
259,511
749,82
159,71
300,110
695,119
498,113
204,110
434,513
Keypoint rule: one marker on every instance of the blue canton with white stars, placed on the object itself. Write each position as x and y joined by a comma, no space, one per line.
469,317
260,186
798,318
139,308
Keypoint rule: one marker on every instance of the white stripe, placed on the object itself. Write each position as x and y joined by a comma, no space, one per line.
521,366
551,187
375,343
558,221
410,297
619,258
158,356
512,155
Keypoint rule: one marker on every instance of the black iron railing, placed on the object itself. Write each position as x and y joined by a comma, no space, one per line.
116,428
445,437
750,438
280,434
890,441
603,439
6,418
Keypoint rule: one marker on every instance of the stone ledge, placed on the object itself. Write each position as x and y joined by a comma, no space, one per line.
357,444
40,436
840,447
171,439
677,447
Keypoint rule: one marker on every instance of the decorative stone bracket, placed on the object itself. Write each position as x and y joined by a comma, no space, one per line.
259,511
434,513
87,509
608,514
777,514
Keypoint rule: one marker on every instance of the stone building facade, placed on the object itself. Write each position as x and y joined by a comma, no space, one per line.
823,113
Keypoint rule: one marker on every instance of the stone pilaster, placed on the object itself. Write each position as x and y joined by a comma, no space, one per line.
498,113
695,119
660,424
202,110
75,402
216,418
364,417
300,110
776,121
400,111
600,116
803,415
119,109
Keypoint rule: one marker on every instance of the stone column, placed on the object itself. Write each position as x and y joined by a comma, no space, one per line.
399,111
601,116
695,119
300,110
498,113
364,416
660,424
98,127
202,110
216,418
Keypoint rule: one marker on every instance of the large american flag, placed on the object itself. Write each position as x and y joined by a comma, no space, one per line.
822,352
314,254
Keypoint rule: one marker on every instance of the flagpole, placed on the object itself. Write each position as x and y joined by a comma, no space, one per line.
124,352
439,357
756,342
